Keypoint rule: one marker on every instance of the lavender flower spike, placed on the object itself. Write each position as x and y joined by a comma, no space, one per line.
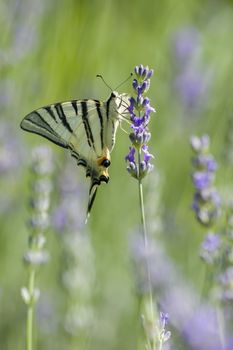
206,200
139,110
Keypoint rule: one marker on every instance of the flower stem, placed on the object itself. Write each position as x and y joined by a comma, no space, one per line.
145,239
30,311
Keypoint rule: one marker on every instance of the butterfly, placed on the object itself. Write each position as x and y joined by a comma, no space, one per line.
87,128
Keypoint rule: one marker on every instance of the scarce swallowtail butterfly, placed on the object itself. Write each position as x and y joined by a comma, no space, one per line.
87,128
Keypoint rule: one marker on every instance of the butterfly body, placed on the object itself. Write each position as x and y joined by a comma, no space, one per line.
87,128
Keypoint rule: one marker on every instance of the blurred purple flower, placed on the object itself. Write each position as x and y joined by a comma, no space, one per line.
187,42
207,162
193,80
69,214
42,162
226,283
161,270
192,85
202,180
25,20
10,149
211,242
206,200
46,314
164,317
200,145
202,330
196,324
210,248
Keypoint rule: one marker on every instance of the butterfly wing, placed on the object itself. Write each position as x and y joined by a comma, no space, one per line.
78,125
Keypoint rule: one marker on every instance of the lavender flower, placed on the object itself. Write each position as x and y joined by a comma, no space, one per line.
193,79
155,331
10,149
187,43
78,274
210,248
164,334
41,167
206,200
140,110
192,85
201,330
24,29
225,289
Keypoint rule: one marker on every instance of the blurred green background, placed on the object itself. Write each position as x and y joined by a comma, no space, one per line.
51,51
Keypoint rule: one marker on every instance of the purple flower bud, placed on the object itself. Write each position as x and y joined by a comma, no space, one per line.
147,155
137,121
130,156
200,144
211,196
163,319
132,105
139,100
143,87
205,162
150,73
202,180
146,101
145,168
136,70
148,111
144,72
211,165
135,84
226,278
140,69
146,136
211,243
132,170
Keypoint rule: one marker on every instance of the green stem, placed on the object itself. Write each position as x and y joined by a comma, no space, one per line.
30,310
153,310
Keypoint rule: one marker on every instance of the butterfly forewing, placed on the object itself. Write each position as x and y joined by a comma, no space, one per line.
86,127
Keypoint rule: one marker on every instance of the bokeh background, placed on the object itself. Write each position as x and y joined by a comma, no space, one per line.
51,51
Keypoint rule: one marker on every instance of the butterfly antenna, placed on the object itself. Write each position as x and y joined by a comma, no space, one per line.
123,82
101,77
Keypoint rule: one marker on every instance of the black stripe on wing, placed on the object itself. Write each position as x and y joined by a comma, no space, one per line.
51,113
80,161
97,103
62,116
36,124
75,106
86,124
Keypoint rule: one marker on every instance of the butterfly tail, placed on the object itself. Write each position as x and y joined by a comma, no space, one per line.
92,194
